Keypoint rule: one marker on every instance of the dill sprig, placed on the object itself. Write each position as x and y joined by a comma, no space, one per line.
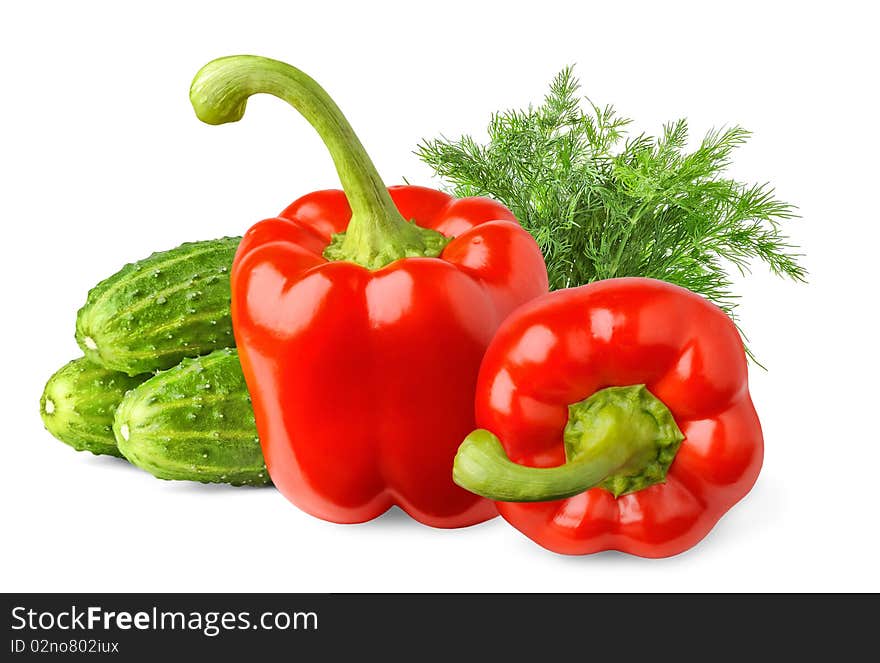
602,204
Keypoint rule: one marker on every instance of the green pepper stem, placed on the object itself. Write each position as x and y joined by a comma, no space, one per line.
621,439
482,467
377,233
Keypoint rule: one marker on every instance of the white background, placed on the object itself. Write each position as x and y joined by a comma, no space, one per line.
102,162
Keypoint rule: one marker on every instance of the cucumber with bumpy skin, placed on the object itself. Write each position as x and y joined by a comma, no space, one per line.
194,422
78,404
153,313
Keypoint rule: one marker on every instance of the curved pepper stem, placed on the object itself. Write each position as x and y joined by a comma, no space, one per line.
622,439
377,234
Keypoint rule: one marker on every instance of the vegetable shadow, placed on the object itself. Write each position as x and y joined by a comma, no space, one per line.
396,519
114,463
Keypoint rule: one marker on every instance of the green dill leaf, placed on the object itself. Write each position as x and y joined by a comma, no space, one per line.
603,204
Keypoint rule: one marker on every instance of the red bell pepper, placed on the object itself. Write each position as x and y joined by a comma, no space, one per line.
361,319
615,415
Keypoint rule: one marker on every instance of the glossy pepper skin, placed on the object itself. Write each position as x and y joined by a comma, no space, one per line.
361,317
562,347
362,381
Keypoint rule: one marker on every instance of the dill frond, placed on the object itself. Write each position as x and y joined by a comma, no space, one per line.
604,204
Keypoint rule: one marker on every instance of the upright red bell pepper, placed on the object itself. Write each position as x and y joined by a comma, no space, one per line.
361,319
615,415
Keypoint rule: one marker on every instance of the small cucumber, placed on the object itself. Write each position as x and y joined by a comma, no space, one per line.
78,404
153,313
195,422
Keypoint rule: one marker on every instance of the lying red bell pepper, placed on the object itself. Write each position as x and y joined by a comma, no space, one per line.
361,319
616,416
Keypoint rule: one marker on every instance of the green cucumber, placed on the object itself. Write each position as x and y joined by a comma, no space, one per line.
78,404
193,422
153,313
